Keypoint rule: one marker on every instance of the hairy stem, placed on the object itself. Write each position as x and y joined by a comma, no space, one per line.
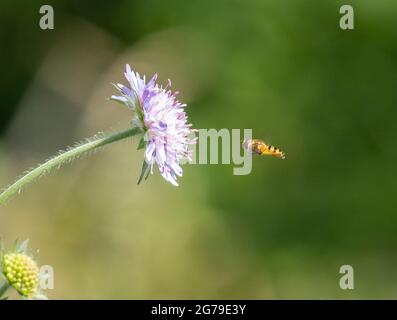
3,288
65,157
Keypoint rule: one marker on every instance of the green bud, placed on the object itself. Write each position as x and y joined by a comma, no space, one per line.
22,272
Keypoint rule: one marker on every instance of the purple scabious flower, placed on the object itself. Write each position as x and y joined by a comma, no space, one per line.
167,133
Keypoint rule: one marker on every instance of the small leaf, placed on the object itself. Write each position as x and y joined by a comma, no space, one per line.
141,144
144,168
23,246
35,254
147,175
15,245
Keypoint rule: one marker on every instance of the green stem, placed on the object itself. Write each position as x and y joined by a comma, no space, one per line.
66,157
3,288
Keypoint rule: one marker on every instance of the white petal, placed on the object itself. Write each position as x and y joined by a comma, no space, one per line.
176,168
161,152
119,99
149,152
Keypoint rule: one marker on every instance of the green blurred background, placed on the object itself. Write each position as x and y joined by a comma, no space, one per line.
325,96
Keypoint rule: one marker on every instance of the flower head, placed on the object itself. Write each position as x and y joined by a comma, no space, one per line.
167,134
20,270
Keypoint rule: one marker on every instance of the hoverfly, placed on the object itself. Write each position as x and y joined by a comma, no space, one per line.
262,148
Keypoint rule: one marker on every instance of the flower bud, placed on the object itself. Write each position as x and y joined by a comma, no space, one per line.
21,272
